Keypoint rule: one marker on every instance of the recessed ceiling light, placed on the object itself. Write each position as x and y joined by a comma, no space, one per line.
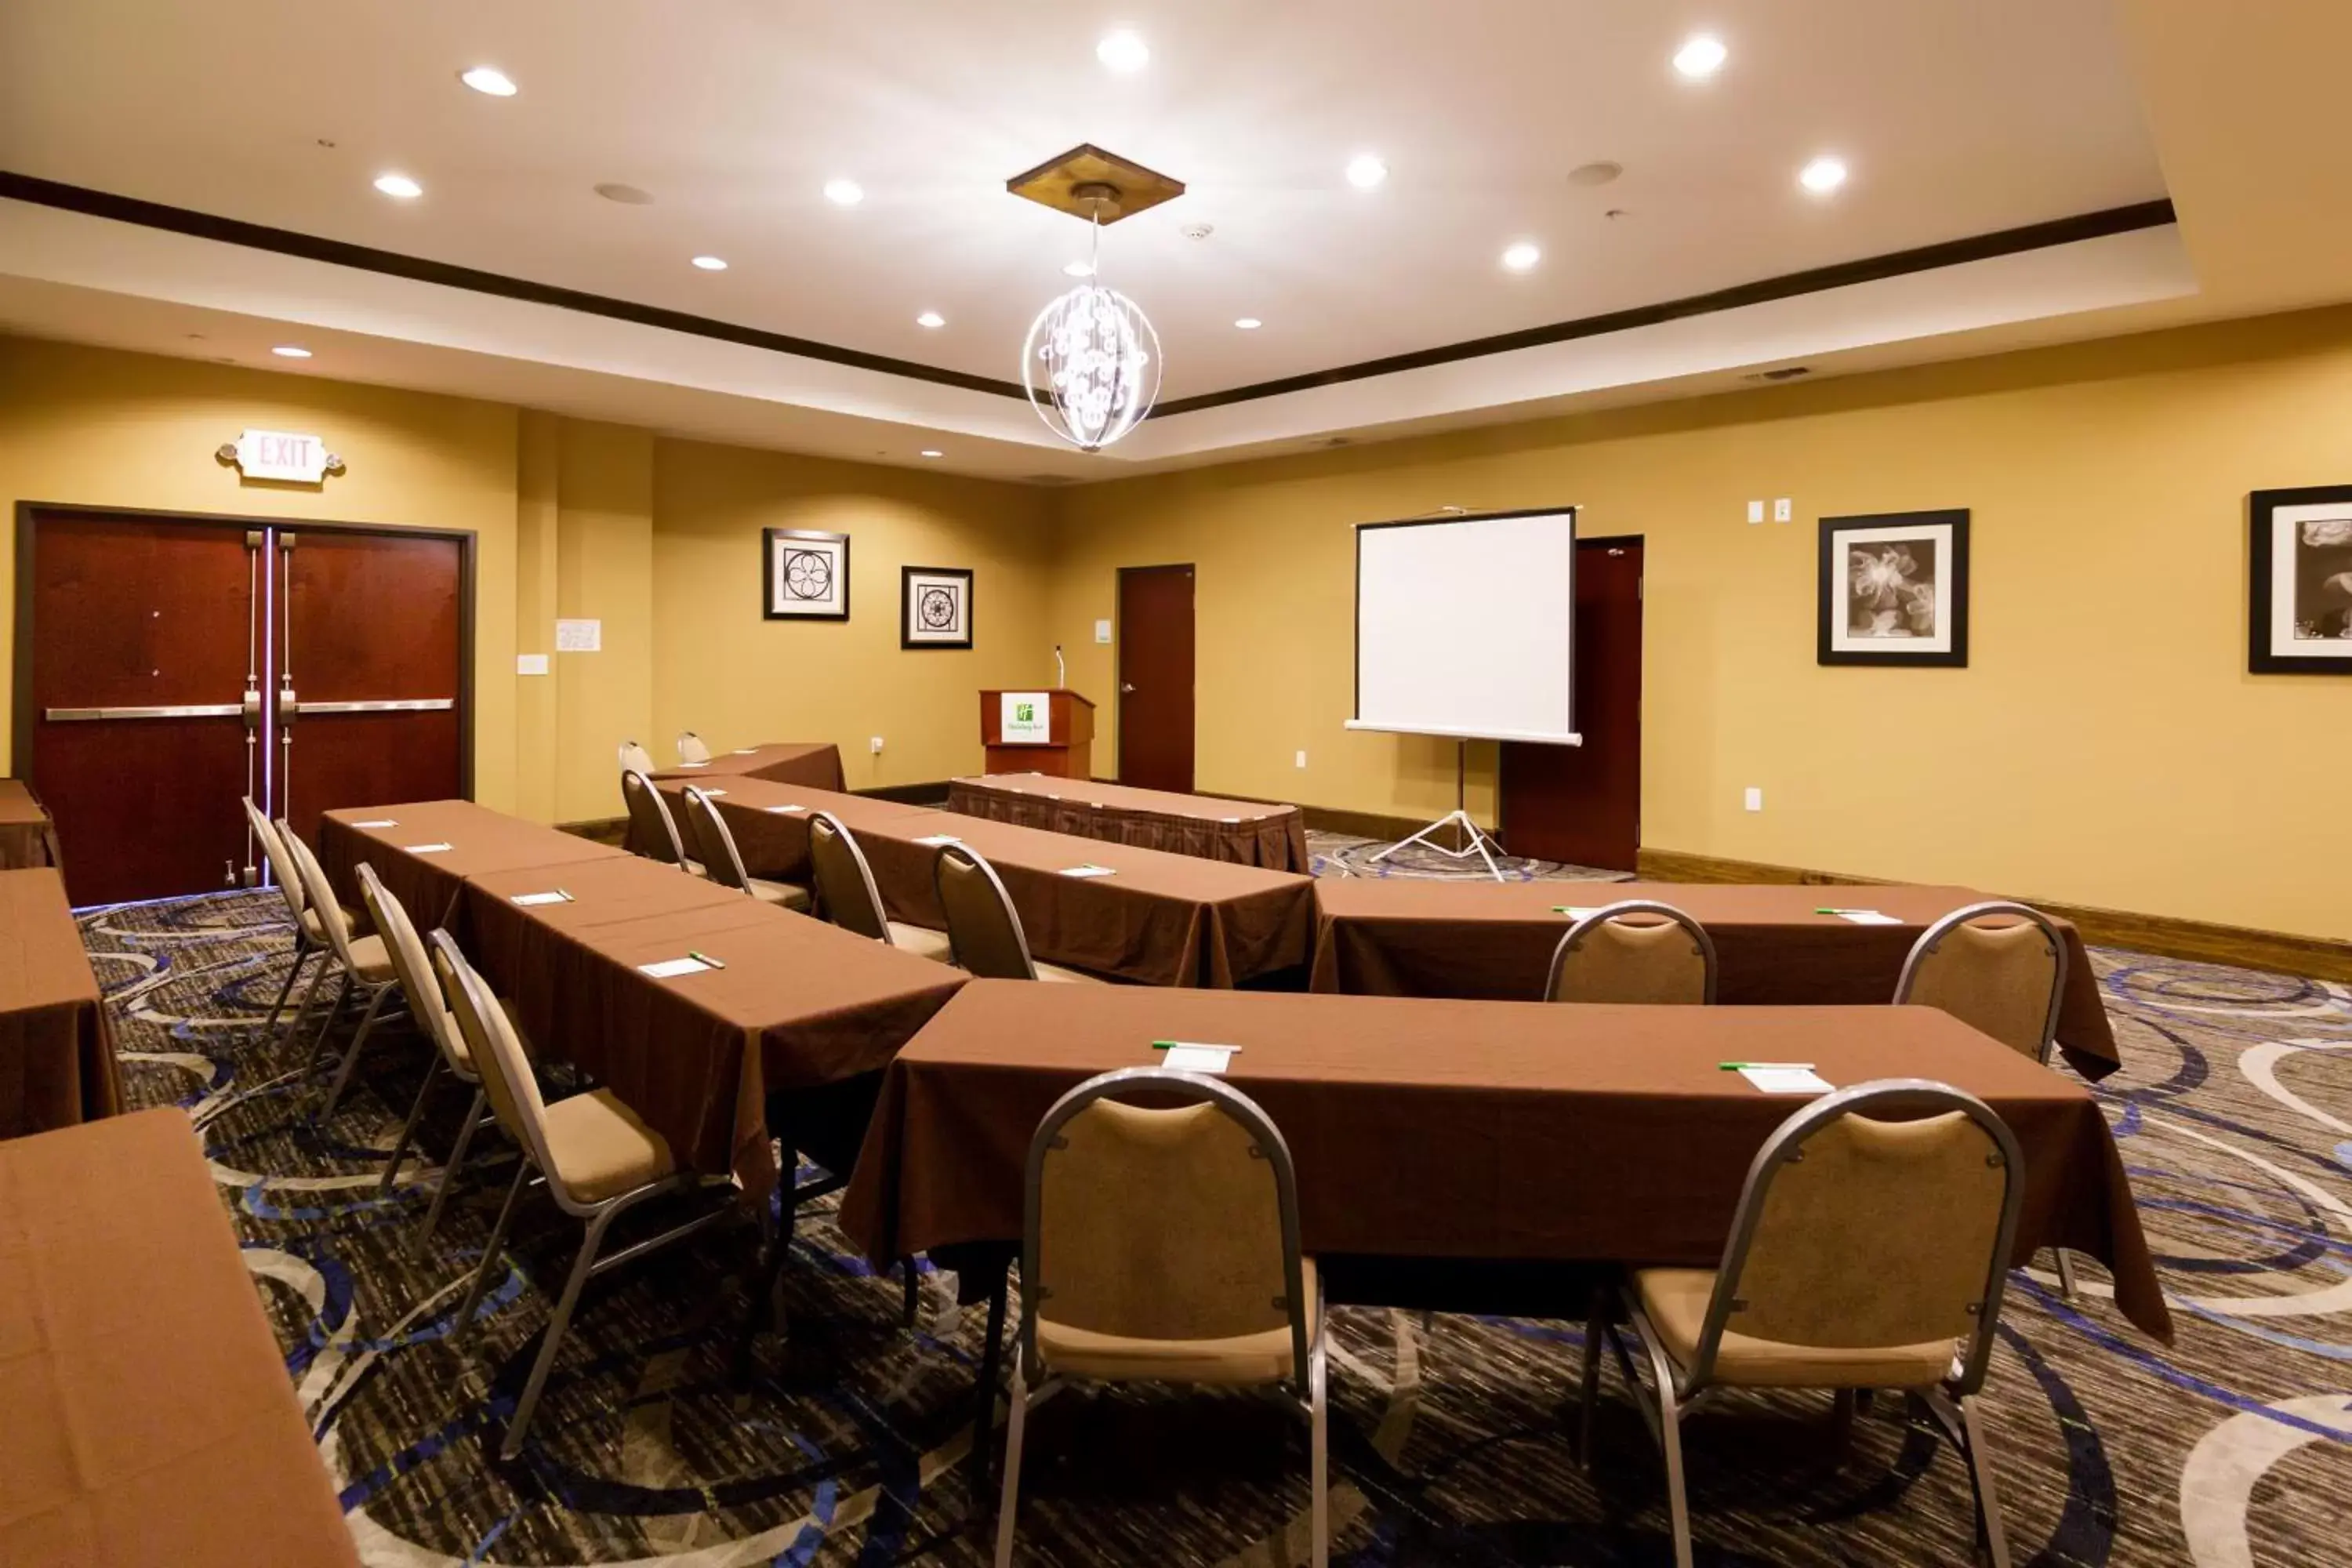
1592,174
1249,323
1521,257
1366,173
400,186
489,79
287,350
1080,270
711,263
1823,175
843,193
1124,51
930,319
1701,57
933,452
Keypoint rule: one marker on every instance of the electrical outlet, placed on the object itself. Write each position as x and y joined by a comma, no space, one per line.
1302,759
1102,631
1755,798
1756,511
877,745
1782,511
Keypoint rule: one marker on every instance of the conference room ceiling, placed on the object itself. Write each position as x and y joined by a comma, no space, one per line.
1956,118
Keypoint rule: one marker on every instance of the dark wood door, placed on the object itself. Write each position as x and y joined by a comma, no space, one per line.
1155,678
1583,803
140,633
371,652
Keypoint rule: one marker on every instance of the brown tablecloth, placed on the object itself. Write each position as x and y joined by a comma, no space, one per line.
769,821
480,841
56,1044
1467,1129
150,1417
817,764
1245,832
27,837
1414,937
1157,919
800,1002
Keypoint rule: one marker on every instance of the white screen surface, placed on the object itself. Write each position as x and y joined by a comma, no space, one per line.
1465,627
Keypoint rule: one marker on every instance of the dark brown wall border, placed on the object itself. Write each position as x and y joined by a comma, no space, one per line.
1845,274
287,242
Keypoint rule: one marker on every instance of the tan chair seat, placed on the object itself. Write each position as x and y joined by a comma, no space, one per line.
1677,1299
783,895
369,961
1061,976
1244,1359
693,867
602,1149
353,921
922,941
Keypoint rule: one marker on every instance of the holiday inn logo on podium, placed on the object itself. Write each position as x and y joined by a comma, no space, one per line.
1026,712
1024,719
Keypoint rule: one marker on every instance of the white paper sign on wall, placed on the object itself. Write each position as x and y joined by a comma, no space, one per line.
1026,719
285,455
579,636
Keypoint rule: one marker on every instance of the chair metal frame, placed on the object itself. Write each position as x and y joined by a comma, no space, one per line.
598,1217
391,917
710,830
872,889
289,888
1951,1404
321,894
1309,1378
635,759
692,748
975,858
1574,939
637,786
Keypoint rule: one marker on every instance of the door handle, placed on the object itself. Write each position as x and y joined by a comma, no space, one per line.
397,705
181,710
1125,686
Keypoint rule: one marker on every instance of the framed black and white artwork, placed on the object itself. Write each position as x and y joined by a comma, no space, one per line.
806,574
1894,589
934,606
2299,582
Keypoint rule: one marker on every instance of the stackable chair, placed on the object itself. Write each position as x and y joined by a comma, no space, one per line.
1162,1246
599,1160
1634,950
2000,968
1865,1253
635,759
690,748
366,967
426,987
309,936
653,831
983,926
847,893
714,841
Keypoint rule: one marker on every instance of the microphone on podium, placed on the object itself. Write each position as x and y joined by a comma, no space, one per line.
1061,670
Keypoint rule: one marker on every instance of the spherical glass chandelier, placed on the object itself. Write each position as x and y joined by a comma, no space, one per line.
1091,364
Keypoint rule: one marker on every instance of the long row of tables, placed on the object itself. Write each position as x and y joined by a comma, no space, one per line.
56,1045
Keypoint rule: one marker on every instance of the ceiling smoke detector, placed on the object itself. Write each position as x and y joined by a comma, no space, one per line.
1197,230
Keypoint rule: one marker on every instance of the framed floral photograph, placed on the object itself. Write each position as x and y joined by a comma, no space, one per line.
1894,590
805,574
2299,582
934,606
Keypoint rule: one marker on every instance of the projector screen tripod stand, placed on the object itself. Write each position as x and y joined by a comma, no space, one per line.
1473,838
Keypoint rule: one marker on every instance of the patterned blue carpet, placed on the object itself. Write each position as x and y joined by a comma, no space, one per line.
1451,1446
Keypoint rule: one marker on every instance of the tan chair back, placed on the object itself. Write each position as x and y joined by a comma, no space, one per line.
282,870
1860,1232
845,882
714,842
2000,968
498,1060
1157,1223
635,759
982,926
653,831
690,748
428,1004
319,894
1634,950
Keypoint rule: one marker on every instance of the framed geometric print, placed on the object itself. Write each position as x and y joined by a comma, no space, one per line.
934,606
2299,582
805,574
1894,590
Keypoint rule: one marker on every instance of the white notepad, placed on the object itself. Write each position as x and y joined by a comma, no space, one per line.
531,900
379,821
671,968
427,848
714,793
936,839
1864,916
694,765
1786,1077
1578,912
785,808
1191,1055
746,750
1089,869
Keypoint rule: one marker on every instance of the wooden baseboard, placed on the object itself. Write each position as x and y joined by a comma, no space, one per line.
2166,936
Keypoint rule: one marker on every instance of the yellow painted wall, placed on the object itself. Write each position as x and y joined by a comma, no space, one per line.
723,670
2106,746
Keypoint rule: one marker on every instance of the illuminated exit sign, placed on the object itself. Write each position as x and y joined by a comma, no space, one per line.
282,455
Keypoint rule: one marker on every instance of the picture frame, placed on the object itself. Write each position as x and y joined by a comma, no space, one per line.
2299,581
934,607
803,574
1894,590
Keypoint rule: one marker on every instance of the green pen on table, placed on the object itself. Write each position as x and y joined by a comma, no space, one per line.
705,959
1766,1066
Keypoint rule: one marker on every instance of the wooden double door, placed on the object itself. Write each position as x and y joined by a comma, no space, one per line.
169,666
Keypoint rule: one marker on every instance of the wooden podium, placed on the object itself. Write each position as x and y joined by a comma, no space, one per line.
1059,741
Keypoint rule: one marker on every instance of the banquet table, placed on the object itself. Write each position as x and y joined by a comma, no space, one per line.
150,1416
56,1045
817,764
769,821
1434,1128
27,836
426,881
1414,937
1245,832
